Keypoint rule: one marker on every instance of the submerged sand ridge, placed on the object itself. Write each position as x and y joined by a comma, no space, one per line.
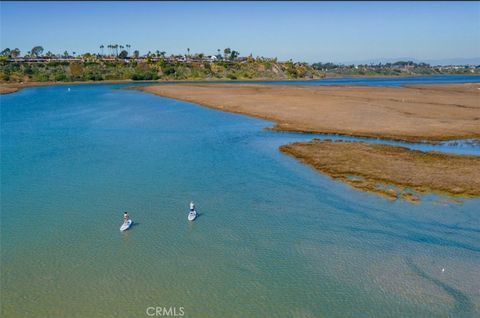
410,113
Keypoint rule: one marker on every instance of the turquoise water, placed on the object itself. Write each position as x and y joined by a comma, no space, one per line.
273,238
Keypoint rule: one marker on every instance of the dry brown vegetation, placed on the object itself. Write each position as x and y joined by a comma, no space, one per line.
375,167
411,113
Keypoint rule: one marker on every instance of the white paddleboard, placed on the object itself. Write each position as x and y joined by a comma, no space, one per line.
192,215
126,226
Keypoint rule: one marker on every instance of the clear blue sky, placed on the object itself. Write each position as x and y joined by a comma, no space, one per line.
303,31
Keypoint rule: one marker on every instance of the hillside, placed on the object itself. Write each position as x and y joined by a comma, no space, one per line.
153,69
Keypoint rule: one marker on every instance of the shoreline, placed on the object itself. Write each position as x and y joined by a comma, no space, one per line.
414,113
8,87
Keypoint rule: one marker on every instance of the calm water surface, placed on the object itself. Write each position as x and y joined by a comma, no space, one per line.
273,238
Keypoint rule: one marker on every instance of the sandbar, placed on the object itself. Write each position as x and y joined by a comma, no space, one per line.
376,167
411,113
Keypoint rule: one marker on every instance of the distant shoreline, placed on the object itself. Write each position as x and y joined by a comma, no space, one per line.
8,88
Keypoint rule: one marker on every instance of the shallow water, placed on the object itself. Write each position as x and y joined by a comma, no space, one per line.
273,238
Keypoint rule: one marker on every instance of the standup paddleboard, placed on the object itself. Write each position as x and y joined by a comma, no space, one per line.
126,226
192,215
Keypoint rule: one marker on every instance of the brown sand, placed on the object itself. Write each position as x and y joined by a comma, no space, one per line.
4,89
374,167
411,113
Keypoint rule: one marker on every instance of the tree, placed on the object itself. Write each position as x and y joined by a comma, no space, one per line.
37,51
123,54
65,54
101,48
87,56
226,52
6,52
234,54
136,54
15,53
128,46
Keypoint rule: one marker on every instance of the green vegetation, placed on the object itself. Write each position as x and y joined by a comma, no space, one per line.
152,69
400,68
119,63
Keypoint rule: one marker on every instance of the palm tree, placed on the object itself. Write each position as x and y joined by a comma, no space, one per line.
226,52
121,49
188,50
128,48
101,48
